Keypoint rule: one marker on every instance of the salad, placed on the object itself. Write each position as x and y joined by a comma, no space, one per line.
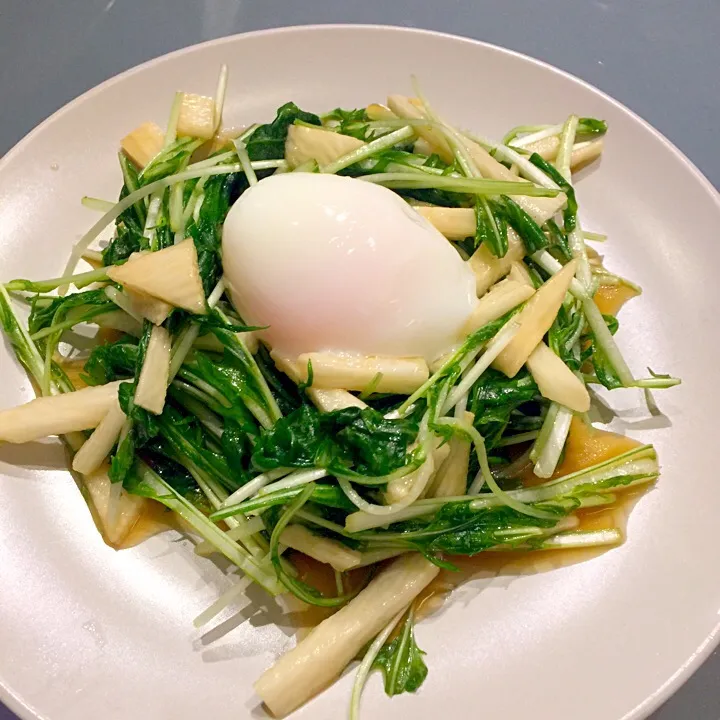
346,352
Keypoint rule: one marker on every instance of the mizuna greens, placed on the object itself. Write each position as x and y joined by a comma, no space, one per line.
179,403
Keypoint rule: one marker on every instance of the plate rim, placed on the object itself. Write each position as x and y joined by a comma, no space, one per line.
652,702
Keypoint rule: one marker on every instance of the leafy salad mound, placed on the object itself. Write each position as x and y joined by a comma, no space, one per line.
178,403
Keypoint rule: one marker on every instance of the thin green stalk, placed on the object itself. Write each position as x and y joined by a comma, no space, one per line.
382,143
458,184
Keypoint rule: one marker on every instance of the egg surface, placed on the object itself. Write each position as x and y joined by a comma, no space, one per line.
331,263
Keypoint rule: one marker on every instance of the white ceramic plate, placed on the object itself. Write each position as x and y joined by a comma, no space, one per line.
89,632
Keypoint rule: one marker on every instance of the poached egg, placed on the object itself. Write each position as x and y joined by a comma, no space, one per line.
336,264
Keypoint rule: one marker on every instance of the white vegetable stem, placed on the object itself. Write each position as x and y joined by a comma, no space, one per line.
97,447
154,375
367,663
494,348
320,658
325,550
58,414
250,488
550,443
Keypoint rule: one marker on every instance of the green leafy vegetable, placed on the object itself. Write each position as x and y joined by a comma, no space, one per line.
401,661
111,361
491,228
494,399
570,212
353,437
349,122
591,126
529,231
268,141
61,313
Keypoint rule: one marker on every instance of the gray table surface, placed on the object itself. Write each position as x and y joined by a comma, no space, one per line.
659,57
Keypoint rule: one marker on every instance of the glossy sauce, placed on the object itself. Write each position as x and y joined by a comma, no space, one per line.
610,298
155,518
586,446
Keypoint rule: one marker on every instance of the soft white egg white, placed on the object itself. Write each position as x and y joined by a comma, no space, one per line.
337,264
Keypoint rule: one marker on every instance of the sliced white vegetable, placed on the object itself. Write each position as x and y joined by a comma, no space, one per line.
113,519
322,549
375,111
197,116
143,143
320,658
451,478
355,372
399,488
114,522
548,447
171,274
324,146
453,223
120,321
210,342
586,152
556,380
404,108
582,153
57,414
422,147
150,308
153,381
540,209
98,446
329,400
489,269
519,273
535,320
503,297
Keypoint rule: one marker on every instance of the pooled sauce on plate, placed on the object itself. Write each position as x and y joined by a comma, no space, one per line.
586,446
155,518
610,298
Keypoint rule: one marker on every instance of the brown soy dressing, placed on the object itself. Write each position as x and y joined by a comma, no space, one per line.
155,518
586,446
610,298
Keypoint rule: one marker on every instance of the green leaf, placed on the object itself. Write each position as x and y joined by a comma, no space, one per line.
294,441
591,126
169,160
401,661
127,241
268,141
471,531
494,399
360,439
559,246
570,212
111,361
349,122
123,459
175,475
565,332
185,440
206,230
529,231
237,448
297,587
46,313
491,228
604,370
